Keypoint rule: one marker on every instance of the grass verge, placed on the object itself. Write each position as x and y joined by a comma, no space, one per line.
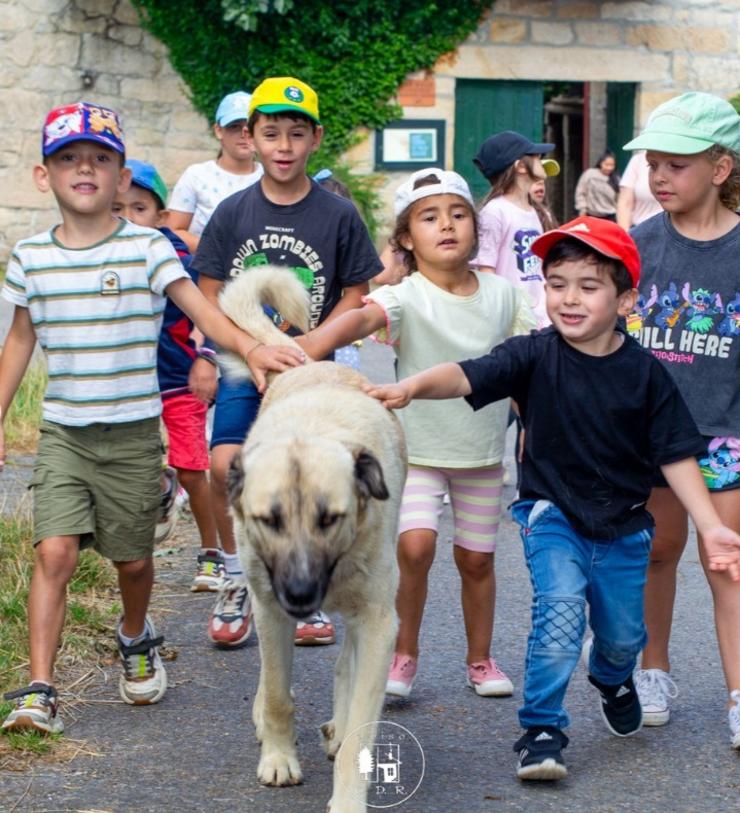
24,416
92,609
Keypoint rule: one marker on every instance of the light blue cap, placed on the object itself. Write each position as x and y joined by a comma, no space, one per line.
233,106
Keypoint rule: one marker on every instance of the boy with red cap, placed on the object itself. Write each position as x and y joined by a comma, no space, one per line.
599,413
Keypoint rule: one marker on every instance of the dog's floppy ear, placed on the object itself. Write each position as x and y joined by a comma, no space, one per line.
369,475
235,481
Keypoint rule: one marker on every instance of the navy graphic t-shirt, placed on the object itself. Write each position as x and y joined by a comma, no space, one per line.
321,238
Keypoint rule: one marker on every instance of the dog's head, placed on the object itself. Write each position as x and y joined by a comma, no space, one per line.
299,503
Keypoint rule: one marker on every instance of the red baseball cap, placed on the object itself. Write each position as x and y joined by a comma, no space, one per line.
601,235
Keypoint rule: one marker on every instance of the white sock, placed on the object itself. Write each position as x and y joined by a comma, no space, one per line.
126,641
233,565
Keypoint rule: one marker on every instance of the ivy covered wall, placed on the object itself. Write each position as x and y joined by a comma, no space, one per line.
355,53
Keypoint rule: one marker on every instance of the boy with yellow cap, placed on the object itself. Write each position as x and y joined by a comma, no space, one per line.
285,219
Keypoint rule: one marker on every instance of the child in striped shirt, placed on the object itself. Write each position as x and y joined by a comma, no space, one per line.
92,291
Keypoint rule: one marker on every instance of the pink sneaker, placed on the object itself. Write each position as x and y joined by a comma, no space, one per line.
401,675
488,680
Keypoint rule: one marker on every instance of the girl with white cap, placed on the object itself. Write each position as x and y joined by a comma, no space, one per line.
443,311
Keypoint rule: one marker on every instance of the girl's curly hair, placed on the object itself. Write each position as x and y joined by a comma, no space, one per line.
729,192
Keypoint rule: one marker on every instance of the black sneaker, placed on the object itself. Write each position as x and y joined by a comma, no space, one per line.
540,754
620,707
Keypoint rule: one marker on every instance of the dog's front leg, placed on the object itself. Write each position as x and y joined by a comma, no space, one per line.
373,634
333,731
273,705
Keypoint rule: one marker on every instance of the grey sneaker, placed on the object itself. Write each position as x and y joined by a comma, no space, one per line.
144,680
36,709
167,513
656,690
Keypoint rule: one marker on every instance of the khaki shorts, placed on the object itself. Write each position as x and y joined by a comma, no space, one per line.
101,483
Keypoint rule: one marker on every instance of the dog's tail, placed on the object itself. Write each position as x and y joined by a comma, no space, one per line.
243,299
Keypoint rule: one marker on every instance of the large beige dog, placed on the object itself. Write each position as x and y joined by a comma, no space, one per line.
315,494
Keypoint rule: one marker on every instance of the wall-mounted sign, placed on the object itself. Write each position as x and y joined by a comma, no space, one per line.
410,144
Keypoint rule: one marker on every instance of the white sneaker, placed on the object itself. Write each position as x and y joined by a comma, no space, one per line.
210,575
734,718
655,689
144,680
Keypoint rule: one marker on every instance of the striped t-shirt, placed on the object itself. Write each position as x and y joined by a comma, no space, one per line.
97,314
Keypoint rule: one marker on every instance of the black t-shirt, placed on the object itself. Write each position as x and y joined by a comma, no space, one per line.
595,426
322,238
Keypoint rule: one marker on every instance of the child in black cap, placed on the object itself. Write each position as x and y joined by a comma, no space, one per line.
508,221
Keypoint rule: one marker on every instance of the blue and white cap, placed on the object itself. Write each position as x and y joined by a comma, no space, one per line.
233,107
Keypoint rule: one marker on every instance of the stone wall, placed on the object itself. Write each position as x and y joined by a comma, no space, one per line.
59,51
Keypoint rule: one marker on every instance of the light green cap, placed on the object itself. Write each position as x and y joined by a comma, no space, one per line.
688,124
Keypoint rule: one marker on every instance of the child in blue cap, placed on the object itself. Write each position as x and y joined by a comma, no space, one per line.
203,186
184,415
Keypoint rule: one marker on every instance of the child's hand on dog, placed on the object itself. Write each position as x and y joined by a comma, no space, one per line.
392,396
263,358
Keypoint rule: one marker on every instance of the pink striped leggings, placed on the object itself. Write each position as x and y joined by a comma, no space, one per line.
475,495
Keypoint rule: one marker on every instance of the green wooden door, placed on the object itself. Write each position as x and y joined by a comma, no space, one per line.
620,119
484,107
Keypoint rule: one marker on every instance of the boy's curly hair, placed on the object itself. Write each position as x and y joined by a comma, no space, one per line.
729,193
401,229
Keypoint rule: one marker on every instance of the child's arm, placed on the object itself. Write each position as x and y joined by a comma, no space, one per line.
17,351
180,222
441,381
225,333
338,331
721,544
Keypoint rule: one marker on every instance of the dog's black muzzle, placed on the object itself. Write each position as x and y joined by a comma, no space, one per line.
301,589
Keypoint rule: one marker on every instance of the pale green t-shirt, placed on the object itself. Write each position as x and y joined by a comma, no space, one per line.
426,326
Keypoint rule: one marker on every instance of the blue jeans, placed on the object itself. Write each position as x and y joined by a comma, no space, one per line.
567,571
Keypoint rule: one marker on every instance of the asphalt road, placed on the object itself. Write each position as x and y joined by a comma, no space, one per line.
195,751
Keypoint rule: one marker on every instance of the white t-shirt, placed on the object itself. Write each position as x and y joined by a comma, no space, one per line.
203,186
426,326
506,234
636,175
97,314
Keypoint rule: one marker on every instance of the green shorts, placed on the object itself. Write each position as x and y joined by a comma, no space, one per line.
101,483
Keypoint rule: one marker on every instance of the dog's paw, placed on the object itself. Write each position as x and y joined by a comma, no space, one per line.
329,739
278,768
346,805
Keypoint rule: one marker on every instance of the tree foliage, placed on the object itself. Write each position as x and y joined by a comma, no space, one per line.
354,53
243,13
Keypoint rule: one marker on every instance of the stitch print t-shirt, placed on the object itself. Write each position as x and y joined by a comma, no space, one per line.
688,316
506,236
321,238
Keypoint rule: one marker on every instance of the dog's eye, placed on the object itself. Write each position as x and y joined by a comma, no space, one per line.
326,520
272,521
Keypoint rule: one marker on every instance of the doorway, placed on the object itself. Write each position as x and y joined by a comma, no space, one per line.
545,111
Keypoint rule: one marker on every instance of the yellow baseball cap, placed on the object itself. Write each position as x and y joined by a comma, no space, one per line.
280,94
